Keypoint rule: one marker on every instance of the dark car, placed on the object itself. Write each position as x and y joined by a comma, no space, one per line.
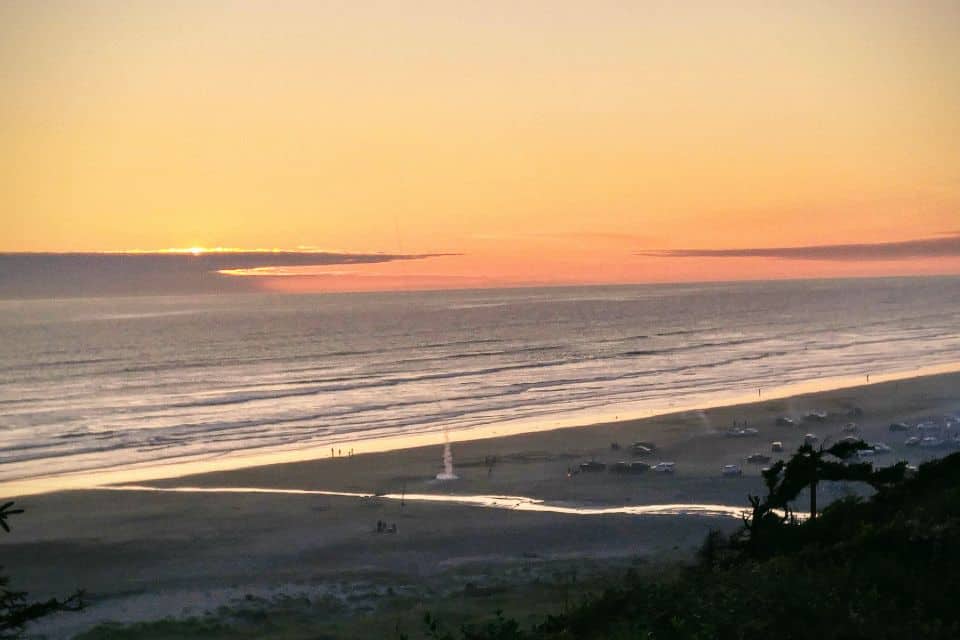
899,426
641,450
592,466
758,458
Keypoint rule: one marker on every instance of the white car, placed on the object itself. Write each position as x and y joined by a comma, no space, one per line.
865,453
880,447
664,467
912,441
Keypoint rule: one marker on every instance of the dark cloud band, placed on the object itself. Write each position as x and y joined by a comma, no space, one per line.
943,247
33,275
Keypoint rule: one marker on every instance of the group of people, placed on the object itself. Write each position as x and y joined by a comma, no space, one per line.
383,527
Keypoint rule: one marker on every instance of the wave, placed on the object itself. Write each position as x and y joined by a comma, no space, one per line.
300,374
29,366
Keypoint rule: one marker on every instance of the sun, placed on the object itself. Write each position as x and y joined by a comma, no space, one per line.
196,250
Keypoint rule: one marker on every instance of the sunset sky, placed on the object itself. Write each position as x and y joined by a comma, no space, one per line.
541,142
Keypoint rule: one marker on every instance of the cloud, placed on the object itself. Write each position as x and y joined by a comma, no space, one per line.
53,275
940,247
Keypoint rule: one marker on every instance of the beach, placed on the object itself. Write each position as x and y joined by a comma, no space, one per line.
146,554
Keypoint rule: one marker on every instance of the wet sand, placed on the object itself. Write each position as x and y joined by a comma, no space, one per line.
144,555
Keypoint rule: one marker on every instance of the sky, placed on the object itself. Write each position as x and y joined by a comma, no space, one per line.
528,142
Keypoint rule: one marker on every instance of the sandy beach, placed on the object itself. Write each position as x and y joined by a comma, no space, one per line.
145,555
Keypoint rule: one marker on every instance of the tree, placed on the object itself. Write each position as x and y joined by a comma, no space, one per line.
804,470
15,610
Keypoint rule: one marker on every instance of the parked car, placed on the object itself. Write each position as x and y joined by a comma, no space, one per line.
592,467
931,442
865,453
742,432
880,447
899,426
629,467
664,467
730,470
776,446
758,458
638,449
912,441
811,438
620,467
784,421
815,416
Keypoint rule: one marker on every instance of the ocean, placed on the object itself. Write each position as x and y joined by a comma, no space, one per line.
94,384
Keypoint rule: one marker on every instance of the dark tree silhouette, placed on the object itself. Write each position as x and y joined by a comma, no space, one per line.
785,480
15,610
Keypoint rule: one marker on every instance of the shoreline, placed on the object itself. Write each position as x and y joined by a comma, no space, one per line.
623,414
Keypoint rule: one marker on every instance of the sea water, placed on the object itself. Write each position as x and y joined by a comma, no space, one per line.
110,382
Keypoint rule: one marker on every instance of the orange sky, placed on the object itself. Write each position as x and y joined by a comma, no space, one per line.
547,142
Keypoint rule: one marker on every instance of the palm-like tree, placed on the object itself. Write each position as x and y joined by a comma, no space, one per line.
785,480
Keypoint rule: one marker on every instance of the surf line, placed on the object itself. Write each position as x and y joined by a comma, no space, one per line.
511,503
